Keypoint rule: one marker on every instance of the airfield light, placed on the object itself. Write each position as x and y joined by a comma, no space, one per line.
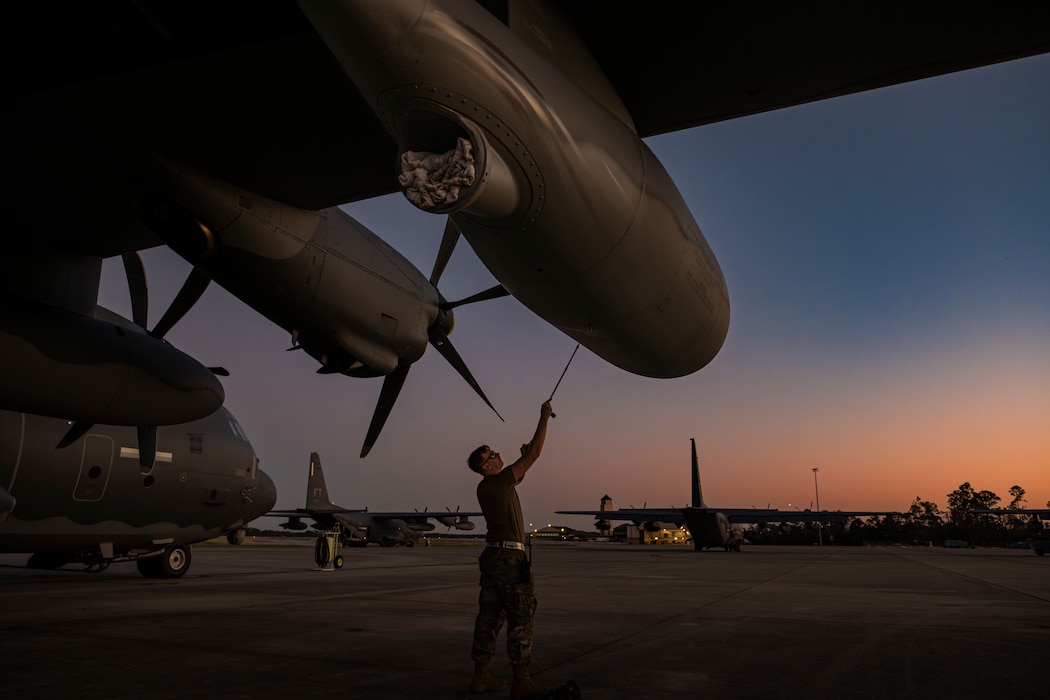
816,491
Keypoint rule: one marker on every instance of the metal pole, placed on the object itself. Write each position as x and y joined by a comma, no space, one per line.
563,375
820,533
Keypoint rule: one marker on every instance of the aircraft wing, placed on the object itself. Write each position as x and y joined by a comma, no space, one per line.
733,515
246,90
795,516
310,513
678,65
420,515
636,515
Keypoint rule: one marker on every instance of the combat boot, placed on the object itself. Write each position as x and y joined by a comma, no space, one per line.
523,686
483,681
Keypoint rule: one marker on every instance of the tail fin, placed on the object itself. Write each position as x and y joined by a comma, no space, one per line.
698,498
316,491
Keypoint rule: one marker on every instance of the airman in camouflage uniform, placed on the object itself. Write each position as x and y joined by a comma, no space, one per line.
508,593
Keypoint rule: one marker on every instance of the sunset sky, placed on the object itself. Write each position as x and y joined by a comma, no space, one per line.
888,263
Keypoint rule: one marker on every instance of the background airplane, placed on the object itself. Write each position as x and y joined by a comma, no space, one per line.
1038,522
358,527
230,131
91,504
711,527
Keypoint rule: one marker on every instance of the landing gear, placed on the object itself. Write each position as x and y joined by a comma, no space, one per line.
236,537
172,563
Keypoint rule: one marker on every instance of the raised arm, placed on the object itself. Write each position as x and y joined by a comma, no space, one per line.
530,451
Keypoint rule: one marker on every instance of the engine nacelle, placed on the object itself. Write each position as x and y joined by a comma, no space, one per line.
464,524
305,271
602,525
64,364
294,524
563,202
652,526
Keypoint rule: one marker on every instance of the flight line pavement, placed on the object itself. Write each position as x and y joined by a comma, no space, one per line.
626,622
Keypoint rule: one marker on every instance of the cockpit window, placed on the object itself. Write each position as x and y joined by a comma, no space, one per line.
235,427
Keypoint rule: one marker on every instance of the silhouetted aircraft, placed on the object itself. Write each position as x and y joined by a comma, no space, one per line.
230,131
358,526
91,504
712,527
1038,523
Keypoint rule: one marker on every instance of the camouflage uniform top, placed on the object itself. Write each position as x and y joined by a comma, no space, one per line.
499,502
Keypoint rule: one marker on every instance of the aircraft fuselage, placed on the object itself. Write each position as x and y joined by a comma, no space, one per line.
92,498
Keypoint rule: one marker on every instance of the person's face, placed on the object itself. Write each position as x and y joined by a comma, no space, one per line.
491,462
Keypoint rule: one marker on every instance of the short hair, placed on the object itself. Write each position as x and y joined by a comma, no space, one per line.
474,461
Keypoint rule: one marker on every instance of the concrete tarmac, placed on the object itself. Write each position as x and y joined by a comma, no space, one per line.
626,622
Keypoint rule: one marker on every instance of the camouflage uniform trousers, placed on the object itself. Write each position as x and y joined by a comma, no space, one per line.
504,597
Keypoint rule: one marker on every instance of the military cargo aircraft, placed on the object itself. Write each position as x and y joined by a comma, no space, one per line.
358,527
231,131
91,504
711,527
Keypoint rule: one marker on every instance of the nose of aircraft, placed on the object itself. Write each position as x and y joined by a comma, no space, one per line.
264,498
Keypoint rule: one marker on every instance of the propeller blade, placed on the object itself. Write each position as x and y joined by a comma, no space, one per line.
191,291
75,432
135,271
448,244
219,371
387,396
147,447
444,346
491,293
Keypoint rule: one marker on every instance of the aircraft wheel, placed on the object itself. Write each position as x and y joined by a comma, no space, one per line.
322,554
175,561
236,537
409,543
338,561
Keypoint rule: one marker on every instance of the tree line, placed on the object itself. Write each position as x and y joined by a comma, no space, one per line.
923,522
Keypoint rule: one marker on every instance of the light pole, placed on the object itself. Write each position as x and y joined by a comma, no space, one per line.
816,490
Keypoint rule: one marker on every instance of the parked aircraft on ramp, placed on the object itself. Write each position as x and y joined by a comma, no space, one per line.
358,527
711,527
91,504
1038,523
231,132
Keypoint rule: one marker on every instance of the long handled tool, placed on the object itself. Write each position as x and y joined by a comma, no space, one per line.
553,415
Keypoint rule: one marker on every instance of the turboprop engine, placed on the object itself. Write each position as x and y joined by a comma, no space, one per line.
512,130
97,369
346,297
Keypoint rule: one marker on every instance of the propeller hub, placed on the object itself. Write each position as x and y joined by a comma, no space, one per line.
446,320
